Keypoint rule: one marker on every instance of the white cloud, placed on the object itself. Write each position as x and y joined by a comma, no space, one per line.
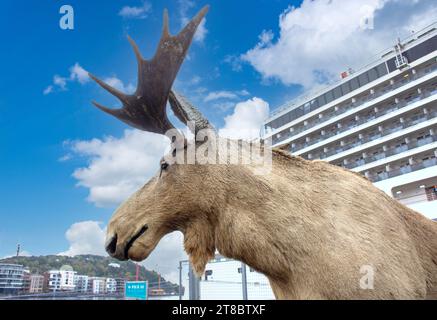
246,121
265,37
78,73
85,237
59,81
48,90
234,61
118,167
65,157
320,39
195,80
139,12
224,106
215,95
220,95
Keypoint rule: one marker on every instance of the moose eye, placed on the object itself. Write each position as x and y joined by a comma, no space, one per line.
164,165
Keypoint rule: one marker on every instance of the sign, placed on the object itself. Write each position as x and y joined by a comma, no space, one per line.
136,290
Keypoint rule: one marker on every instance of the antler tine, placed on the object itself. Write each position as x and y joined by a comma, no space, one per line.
136,50
112,112
165,27
140,60
186,35
120,95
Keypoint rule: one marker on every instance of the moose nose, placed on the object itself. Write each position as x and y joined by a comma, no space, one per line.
111,245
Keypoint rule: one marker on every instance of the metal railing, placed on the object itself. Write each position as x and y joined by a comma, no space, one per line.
363,120
359,102
400,171
224,283
406,124
391,152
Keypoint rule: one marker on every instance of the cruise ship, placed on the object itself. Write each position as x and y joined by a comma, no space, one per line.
380,121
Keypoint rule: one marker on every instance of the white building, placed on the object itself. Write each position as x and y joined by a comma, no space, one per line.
111,285
97,285
81,283
62,279
223,279
11,278
380,121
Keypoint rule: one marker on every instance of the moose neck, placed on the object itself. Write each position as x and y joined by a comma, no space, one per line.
249,228
249,225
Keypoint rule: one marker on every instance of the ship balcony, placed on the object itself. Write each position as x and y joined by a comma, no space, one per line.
420,191
353,127
380,156
399,84
392,148
403,166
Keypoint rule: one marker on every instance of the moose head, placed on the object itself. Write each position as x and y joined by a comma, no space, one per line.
182,197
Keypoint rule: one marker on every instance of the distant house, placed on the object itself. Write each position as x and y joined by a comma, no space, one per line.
11,278
111,285
97,285
36,283
81,283
62,279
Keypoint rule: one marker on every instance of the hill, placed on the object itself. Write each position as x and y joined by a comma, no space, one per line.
91,265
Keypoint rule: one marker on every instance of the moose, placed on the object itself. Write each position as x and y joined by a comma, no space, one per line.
310,227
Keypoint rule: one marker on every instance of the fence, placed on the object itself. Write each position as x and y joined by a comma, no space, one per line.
223,279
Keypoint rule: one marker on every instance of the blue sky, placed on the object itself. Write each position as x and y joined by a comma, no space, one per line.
247,56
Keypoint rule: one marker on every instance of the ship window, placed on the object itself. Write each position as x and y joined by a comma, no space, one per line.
363,79
345,88
373,74
337,92
391,64
329,96
354,83
381,69
321,100
314,104
421,49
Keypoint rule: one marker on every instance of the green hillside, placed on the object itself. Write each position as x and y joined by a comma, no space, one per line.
91,265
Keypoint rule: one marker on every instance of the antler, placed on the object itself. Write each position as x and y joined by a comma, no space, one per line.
146,108
186,112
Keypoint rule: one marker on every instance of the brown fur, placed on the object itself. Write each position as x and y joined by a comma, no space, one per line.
308,226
